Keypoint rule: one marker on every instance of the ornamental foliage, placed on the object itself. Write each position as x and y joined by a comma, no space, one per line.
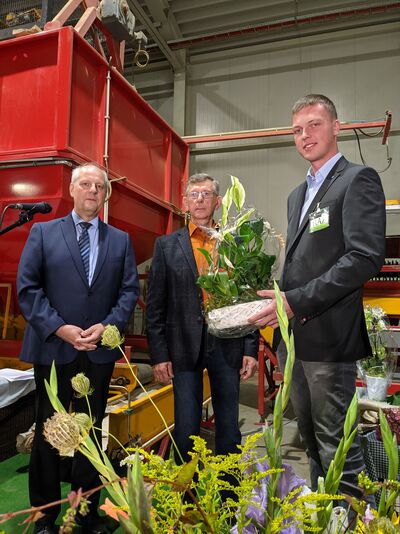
246,249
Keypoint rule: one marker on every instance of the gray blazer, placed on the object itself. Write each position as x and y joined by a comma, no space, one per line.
175,320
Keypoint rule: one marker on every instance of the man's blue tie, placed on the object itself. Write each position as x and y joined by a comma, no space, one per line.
84,246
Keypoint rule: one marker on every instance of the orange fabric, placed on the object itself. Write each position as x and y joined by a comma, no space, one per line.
200,239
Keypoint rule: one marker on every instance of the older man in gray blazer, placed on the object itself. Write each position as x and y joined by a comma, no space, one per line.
180,345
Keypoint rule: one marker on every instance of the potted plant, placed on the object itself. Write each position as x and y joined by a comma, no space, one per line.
377,370
246,249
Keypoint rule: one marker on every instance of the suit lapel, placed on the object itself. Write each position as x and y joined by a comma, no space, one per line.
69,233
334,174
295,216
185,243
104,241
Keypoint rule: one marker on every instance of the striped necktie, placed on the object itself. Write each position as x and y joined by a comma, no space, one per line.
84,246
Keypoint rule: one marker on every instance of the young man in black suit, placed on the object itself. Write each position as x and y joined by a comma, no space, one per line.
335,243
180,346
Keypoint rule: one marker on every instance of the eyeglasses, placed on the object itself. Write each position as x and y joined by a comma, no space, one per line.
194,195
88,185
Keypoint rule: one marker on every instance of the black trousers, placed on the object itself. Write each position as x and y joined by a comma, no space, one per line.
44,468
188,401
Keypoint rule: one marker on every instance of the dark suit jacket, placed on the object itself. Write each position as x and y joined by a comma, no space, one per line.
324,271
175,318
53,289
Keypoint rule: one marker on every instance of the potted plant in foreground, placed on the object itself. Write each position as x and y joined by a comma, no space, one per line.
246,250
377,370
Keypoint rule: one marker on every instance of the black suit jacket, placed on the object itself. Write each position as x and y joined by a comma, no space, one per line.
324,271
175,321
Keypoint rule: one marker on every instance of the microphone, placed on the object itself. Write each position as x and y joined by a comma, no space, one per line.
34,207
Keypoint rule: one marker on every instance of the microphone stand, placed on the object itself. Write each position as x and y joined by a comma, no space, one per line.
24,217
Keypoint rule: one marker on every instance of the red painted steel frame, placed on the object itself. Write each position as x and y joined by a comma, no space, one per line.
267,376
52,98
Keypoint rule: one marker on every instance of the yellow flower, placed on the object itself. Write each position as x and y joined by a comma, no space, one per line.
395,519
81,385
111,337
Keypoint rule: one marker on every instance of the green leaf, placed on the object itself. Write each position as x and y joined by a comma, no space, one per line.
128,526
206,281
349,442
257,226
222,279
233,288
351,417
245,230
228,263
245,217
207,256
89,449
52,390
53,378
238,193
390,444
282,316
225,206
138,504
394,399
186,474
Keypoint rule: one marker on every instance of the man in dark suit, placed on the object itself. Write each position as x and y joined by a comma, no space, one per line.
335,243
76,275
180,346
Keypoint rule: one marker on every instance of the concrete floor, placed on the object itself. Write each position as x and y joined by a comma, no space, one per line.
292,451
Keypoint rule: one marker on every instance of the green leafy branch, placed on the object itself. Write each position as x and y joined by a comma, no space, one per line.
240,266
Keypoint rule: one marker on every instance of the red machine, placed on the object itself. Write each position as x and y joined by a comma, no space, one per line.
62,104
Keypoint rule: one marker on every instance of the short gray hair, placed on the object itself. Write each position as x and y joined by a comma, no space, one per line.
202,177
77,171
312,100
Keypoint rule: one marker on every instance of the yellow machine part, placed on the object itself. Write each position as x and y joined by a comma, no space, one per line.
144,420
123,370
390,305
268,334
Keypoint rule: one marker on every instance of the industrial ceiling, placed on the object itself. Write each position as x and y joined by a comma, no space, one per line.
179,29
176,28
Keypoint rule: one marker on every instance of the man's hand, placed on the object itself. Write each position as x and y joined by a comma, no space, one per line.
72,334
163,372
249,367
268,317
93,333
77,337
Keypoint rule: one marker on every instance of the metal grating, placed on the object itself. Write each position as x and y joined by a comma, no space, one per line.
27,13
16,13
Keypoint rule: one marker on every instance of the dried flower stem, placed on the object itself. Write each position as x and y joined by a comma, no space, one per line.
34,509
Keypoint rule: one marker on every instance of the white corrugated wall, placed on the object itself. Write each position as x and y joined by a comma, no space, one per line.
255,87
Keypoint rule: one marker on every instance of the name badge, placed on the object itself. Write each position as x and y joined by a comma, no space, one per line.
319,219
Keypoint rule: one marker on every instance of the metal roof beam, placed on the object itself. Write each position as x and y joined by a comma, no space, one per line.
174,60
169,28
161,11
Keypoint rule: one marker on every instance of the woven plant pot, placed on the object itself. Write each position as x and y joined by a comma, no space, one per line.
232,321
